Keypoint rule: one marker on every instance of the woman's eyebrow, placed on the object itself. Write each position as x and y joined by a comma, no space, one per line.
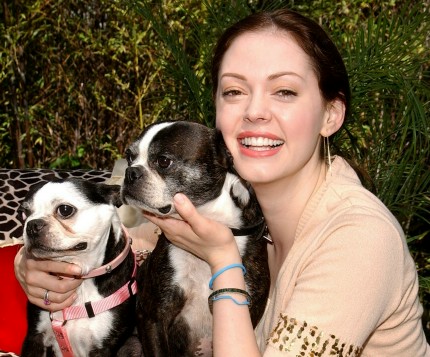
234,75
284,73
271,77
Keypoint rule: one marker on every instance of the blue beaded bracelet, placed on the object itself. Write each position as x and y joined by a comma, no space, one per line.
219,272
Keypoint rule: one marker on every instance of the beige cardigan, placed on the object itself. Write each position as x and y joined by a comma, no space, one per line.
348,286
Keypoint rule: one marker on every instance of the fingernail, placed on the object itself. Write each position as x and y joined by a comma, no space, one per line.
76,271
179,198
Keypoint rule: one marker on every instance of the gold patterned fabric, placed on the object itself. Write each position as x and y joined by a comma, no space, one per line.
298,337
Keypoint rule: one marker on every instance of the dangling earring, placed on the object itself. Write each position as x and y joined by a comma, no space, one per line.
327,153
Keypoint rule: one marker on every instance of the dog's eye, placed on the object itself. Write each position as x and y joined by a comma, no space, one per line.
129,156
164,162
65,211
23,213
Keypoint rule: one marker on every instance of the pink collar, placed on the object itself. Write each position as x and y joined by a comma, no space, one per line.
90,309
107,268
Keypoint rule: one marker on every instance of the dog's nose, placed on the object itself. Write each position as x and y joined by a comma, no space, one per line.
132,174
165,209
34,227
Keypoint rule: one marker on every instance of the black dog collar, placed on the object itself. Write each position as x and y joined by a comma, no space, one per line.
250,229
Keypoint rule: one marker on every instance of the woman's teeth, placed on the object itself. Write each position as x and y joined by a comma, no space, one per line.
261,143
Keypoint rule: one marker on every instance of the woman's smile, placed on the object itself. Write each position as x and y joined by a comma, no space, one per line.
259,145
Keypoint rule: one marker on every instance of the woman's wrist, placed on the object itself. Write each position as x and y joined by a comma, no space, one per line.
223,270
231,278
226,255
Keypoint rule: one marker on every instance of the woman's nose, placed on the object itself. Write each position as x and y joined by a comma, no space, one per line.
257,108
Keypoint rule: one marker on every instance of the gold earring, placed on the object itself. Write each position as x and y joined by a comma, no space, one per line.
327,153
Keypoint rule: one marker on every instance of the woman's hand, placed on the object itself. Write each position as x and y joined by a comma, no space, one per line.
38,276
203,237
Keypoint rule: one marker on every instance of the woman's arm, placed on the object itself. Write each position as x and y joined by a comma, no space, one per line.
233,334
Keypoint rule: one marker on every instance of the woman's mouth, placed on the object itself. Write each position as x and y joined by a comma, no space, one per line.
260,143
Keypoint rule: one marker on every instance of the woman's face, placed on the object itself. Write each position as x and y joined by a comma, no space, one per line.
269,107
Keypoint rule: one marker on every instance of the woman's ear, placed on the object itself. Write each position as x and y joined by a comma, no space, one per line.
334,118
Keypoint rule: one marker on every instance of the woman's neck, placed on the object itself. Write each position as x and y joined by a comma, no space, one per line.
284,201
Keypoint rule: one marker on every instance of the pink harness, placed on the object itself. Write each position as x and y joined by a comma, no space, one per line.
90,309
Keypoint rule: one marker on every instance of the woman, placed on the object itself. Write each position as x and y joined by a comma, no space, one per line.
342,279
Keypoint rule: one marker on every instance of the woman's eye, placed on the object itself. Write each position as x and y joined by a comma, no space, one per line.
231,93
286,93
164,162
65,211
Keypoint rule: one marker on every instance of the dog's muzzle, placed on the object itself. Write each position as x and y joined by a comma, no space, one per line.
132,175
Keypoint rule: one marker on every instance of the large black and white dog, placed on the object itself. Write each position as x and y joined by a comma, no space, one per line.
76,221
172,303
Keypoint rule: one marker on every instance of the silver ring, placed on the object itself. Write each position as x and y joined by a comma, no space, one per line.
46,300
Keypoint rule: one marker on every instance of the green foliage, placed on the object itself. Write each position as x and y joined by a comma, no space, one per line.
181,55
74,75
388,65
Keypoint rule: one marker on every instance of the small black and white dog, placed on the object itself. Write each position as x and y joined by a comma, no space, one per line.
172,303
76,221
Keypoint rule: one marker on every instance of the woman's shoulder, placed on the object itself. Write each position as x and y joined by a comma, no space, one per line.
343,202
345,214
345,196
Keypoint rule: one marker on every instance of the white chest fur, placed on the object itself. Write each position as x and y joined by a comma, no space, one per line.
192,275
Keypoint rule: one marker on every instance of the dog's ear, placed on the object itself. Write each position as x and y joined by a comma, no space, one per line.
112,194
224,157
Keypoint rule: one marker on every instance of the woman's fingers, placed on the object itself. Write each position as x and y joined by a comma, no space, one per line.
61,291
50,300
174,229
210,231
206,238
37,277
188,212
36,280
52,267
20,268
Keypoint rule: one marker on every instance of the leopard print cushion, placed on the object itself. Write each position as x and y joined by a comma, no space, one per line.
14,185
